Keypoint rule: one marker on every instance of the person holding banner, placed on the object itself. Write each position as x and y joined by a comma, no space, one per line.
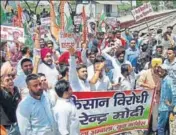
98,79
124,81
151,81
165,99
65,112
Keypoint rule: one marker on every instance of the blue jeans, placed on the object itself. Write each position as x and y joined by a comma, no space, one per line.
162,122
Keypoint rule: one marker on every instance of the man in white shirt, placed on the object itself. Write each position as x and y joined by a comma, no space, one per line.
117,61
124,81
26,54
34,113
97,76
65,112
77,74
27,68
47,66
48,89
88,55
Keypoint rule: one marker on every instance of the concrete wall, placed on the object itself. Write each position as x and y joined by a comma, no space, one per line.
100,7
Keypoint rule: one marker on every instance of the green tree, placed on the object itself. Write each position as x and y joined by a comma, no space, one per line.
139,3
155,4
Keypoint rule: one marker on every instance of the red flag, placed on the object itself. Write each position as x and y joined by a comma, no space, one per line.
84,25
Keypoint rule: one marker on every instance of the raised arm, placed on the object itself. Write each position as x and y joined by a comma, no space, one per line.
73,76
108,57
97,73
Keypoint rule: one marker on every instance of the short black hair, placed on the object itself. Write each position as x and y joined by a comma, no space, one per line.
159,46
124,68
171,48
24,50
31,77
79,66
25,60
61,87
159,31
92,51
41,74
50,42
170,27
99,58
63,69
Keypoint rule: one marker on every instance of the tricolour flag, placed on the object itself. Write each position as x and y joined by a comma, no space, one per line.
101,21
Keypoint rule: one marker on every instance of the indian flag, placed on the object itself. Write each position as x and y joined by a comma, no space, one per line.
101,22
68,19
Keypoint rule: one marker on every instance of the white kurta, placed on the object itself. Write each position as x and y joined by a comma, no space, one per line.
102,84
117,67
20,82
76,83
50,72
35,117
65,114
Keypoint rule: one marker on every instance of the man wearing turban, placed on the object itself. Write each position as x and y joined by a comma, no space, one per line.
47,66
150,80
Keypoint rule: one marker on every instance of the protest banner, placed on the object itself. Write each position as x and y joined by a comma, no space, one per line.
142,11
66,40
12,33
45,21
113,112
77,20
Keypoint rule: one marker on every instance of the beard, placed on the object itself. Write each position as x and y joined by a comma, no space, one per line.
39,93
121,60
28,72
48,63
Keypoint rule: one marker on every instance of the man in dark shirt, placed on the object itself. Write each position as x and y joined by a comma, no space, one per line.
9,99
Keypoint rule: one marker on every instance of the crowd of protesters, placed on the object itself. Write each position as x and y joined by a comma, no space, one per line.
39,103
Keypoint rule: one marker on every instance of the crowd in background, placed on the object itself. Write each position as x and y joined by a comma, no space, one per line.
35,94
